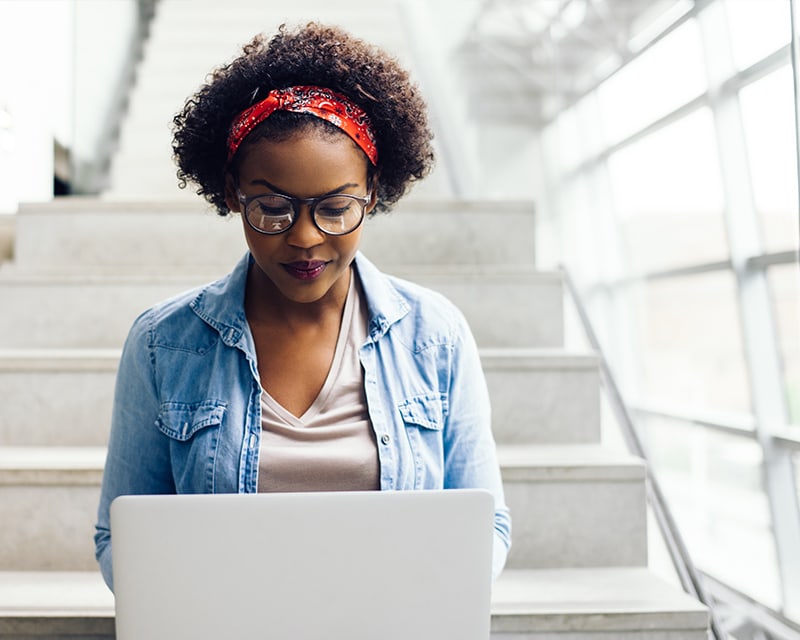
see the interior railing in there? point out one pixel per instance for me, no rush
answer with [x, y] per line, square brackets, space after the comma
[744, 617]
[688, 574]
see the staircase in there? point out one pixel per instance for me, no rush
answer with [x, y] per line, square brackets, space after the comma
[83, 269]
[189, 39]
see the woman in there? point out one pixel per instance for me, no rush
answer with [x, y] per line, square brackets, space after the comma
[306, 368]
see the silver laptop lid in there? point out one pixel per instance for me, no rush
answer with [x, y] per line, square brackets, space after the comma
[350, 565]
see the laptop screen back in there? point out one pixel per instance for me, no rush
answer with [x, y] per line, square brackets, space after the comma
[389, 565]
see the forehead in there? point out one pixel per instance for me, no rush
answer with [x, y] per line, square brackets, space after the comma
[305, 163]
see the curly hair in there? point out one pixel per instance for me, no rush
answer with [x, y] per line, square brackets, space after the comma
[318, 55]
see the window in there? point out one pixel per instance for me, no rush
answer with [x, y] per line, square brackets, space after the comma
[757, 29]
[668, 196]
[713, 484]
[768, 120]
[660, 80]
[784, 284]
[691, 344]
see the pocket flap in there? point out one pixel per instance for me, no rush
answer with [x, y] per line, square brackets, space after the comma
[426, 411]
[181, 421]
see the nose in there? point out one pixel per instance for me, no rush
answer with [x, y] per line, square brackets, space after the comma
[304, 233]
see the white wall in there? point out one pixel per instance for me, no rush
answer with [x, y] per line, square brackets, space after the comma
[489, 159]
[60, 63]
[35, 75]
[104, 34]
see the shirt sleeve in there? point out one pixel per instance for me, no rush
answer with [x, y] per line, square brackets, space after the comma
[137, 461]
[470, 450]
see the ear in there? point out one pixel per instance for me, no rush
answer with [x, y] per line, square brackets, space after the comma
[231, 197]
[373, 193]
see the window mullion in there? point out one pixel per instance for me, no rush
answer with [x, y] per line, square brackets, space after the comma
[758, 327]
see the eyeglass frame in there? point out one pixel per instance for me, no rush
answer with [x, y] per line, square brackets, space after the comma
[299, 202]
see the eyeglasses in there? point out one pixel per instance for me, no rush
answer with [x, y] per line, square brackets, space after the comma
[274, 213]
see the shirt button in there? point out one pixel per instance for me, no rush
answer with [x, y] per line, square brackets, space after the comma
[385, 439]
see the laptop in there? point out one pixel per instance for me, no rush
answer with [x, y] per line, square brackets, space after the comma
[304, 566]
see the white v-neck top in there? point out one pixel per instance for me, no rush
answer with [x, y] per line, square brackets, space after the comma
[332, 446]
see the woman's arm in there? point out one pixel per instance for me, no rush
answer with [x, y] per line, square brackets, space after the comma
[137, 461]
[469, 447]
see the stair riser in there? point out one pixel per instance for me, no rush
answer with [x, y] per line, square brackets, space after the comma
[72, 407]
[587, 523]
[48, 527]
[99, 315]
[589, 634]
[555, 524]
[147, 239]
[547, 406]
[56, 408]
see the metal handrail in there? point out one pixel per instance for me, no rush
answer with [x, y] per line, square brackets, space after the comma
[679, 554]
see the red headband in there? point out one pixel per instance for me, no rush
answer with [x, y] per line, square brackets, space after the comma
[323, 103]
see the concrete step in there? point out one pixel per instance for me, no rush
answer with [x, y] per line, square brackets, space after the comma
[72, 310]
[50, 605]
[56, 397]
[574, 506]
[543, 396]
[62, 397]
[569, 604]
[48, 498]
[605, 603]
[93, 233]
[571, 506]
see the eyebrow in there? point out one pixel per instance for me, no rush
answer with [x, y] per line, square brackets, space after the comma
[276, 190]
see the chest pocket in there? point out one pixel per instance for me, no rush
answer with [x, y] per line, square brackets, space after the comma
[193, 430]
[424, 417]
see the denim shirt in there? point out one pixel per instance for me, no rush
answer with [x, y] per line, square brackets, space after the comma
[187, 412]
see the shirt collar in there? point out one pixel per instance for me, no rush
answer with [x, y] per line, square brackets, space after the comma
[384, 303]
[221, 304]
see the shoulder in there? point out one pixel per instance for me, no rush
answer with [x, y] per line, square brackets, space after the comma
[171, 321]
[417, 310]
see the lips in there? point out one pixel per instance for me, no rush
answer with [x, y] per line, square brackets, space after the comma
[305, 269]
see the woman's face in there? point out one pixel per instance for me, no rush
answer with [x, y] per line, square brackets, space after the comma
[302, 264]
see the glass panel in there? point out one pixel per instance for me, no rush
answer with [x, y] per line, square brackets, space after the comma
[768, 118]
[569, 141]
[796, 458]
[668, 195]
[712, 483]
[691, 344]
[784, 284]
[579, 233]
[757, 29]
[663, 78]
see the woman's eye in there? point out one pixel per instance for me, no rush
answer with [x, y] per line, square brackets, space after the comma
[330, 212]
[274, 210]
[335, 207]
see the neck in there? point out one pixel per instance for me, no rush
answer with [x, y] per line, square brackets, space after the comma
[265, 304]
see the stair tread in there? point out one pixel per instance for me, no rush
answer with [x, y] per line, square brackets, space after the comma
[567, 462]
[599, 598]
[86, 358]
[34, 465]
[77, 205]
[557, 598]
[54, 592]
[47, 457]
[20, 360]
[577, 462]
[190, 274]
[509, 455]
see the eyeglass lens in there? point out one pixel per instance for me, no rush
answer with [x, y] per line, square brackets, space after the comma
[336, 215]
